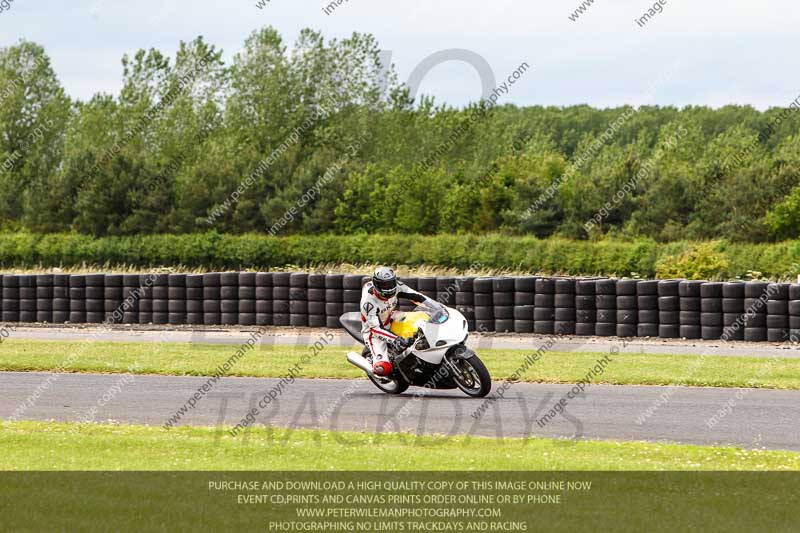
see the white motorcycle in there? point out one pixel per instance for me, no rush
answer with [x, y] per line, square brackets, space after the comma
[436, 357]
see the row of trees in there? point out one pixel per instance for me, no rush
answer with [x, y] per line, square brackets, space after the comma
[187, 133]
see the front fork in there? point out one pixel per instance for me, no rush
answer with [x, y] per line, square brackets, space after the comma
[458, 352]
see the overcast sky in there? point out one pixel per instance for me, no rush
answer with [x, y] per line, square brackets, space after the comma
[693, 52]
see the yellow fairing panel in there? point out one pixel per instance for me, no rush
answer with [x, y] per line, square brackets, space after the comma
[405, 324]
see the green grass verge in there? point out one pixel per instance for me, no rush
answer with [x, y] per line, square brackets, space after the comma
[59, 446]
[275, 360]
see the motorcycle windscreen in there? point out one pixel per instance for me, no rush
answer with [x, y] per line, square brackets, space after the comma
[435, 311]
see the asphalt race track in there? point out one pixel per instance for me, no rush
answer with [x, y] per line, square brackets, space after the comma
[760, 419]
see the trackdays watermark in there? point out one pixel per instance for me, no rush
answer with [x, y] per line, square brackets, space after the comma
[281, 420]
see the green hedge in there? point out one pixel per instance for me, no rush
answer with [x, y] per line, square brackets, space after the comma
[552, 256]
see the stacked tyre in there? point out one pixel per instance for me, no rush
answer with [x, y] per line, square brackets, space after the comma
[161, 299]
[27, 298]
[427, 286]
[755, 311]
[524, 295]
[794, 313]
[446, 288]
[732, 311]
[669, 306]
[112, 293]
[544, 310]
[465, 300]
[263, 298]
[351, 295]
[503, 300]
[44, 298]
[194, 299]
[146, 282]
[246, 295]
[334, 303]
[176, 295]
[777, 312]
[77, 299]
[95, 302]
[131, 295]
[689, 318]
[229, 298]
[483, 297]
[60, 298]
[647, 308]
[627, 308]
[564, 304]
[711, 315]
[10, 303]
[298, 299]
[606, 304]
[280, 295]
[212, 299]
[585, 310]
[316, 300]
[404, 304]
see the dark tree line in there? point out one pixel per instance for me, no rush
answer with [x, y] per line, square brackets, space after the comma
[184, 134]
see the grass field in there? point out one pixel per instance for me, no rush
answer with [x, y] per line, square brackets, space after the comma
[59, 446]
[274, 360]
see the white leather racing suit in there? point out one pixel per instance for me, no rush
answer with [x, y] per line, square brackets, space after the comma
[376, 317]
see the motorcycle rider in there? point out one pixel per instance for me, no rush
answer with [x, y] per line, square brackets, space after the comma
[378, 303]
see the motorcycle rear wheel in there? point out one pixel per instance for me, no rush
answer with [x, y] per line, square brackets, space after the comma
[389, 386]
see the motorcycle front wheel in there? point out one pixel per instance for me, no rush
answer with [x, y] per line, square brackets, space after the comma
[471, 376]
